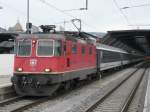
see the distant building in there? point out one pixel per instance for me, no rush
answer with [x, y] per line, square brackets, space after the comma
[17, 28]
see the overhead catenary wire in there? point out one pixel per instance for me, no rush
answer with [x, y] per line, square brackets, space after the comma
[123, 14]
[136, 6]
[80, 9]
[65, 13]
[133, 6]
[132, 13]
[24, 13]
[18, 11]
[59, 10]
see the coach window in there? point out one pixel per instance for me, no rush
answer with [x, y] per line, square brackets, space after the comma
[74, 49]
[83, 50]
[58, 50]
[91, 50]
[101, 54]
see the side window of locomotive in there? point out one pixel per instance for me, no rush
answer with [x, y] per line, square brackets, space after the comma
[45, 48]
[74, 49]
[83, 50]
[90, 50]
[65, 48]
[58, 50]
[24, 48]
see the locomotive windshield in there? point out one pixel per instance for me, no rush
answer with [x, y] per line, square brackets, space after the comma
[45, 48]
[24, 47]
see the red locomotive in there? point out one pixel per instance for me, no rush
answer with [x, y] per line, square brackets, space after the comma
[46, 61]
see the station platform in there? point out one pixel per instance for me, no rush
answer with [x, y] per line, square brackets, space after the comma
[147, 96]
[5, 80]
[6, 90]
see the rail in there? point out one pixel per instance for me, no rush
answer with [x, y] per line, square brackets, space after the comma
[123, 109]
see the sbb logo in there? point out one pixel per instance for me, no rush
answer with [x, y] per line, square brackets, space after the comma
[33, 62]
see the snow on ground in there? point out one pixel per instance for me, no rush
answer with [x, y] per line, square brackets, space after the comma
[6, 64]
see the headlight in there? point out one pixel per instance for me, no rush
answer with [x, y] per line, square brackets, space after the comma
[33, 41]
[47, 70]
[19, 69]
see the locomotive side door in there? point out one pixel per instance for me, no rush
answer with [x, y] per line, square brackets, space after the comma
[67, 54]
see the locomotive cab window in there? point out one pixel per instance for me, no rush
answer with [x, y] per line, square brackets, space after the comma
[45, 48]
[24, 48]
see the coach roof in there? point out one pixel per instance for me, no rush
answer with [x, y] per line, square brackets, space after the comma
[110, 48]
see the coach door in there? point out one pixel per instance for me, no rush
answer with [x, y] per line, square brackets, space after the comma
[98, 56]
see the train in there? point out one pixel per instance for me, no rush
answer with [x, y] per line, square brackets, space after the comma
[49, 60]
[109, 57]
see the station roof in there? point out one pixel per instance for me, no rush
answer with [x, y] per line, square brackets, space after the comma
[7, 42]
[130, 40]
[7, 36]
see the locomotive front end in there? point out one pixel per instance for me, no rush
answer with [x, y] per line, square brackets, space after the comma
[35, 63]
[45, 62]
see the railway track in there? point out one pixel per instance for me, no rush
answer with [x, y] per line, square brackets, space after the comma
[120, 97]
[11, 100]
[21, 103]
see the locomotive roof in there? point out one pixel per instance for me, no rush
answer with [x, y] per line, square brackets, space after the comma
[40, 35]
[58, 36]
[110, 48]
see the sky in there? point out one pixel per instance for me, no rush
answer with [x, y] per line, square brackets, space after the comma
[101, 16]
